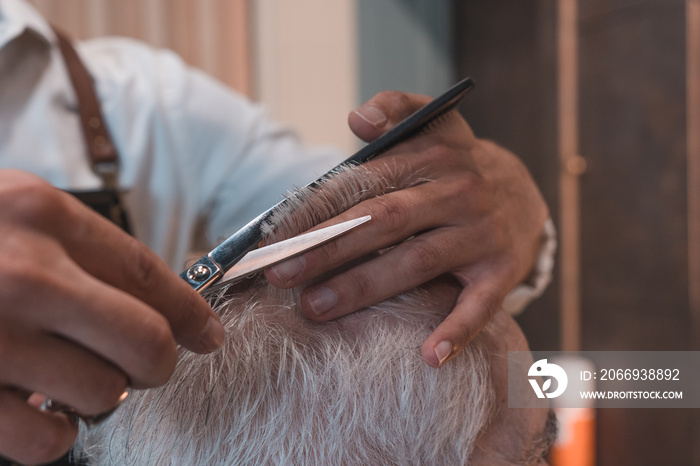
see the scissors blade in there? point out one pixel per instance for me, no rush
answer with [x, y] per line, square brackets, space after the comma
[259, 259]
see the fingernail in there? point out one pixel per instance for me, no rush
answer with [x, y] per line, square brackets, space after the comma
[443, 350]
[372, 115]
[322, 300]
[287, 270]
[213, 334]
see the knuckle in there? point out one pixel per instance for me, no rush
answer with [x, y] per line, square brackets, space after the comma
[471, 191]
[389, 213]
[398, 105]
[106, 391]
[440, 153]
[20, 274]
[158, 354]
[142, 270]
[424, 260]
[14, 274]
[470, 185]
[391, 99]
[330, 252]
[362, 285]
[487, 302]
[29, 200]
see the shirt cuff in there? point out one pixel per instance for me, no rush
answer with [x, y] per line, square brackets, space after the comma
[541, 275]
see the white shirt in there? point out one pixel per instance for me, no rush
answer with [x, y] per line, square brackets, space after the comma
[197, 159]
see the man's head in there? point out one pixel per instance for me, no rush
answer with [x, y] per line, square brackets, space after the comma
[286, 390]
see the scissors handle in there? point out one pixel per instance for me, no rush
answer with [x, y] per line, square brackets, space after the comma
[210, 268]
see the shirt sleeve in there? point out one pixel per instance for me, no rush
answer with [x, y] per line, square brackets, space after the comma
[523, 294]
[246, 163]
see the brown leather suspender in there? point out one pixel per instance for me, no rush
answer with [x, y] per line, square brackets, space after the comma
[101, 149]
[102, 152]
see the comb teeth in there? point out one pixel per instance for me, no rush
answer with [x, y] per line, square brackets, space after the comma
[431, 125]
[310, 206]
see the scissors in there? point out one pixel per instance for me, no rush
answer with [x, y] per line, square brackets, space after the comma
[213, 268]
[236, 256]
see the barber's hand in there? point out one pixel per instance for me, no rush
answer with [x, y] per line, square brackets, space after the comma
[479, 219]
[85, 311]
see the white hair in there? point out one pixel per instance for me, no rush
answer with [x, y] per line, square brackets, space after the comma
[286, 390]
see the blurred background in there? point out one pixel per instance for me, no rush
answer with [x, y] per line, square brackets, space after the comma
[600, 98]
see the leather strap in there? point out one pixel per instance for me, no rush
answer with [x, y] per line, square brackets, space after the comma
[102, 152]
[101, 149]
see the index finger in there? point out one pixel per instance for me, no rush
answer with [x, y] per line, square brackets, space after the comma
[114, 257]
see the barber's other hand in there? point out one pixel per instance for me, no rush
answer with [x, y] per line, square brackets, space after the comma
[480, 218]
[85, 311]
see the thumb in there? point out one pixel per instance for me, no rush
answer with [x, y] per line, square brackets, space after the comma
[382, 112]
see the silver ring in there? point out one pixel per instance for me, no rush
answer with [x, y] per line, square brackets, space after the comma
[95, 419]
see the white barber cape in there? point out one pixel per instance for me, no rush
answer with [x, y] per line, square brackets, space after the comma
[198, 161]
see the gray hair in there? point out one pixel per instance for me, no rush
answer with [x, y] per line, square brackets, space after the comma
[286, 390]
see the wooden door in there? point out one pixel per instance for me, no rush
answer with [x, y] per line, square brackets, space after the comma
[636, 132]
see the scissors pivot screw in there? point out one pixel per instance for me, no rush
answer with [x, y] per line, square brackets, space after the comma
[198, 272]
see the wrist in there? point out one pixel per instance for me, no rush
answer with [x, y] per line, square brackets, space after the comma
[540, 276]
